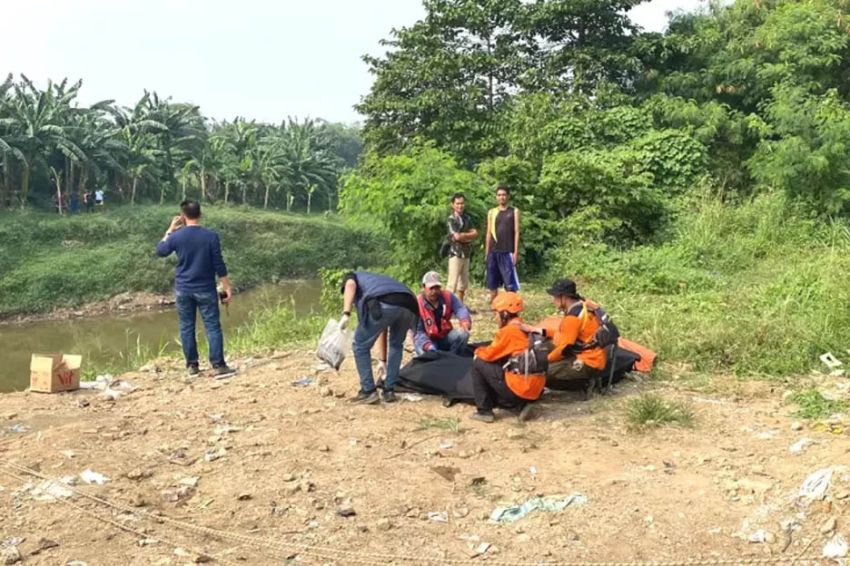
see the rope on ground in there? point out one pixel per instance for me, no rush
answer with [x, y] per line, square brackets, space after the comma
[367, 558]
[127, 528]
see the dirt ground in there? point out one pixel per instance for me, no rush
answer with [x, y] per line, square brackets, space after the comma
[262, 457]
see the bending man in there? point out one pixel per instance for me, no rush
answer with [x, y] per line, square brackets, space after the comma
[436, 307]
[383, 305]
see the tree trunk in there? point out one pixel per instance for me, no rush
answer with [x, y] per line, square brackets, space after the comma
[226, 191]
[25, 184]
[162, 193]
[288, 201]
[203, 178]
[133, 190]
[244, 193]
[183, 183]
[309, 198]
[5, 181]
[57, 176]
[266, 198]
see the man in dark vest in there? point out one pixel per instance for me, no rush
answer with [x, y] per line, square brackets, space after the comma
[386, 308]
[501, 246]
[436, 307]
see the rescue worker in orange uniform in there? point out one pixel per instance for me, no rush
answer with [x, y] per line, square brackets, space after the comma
[574, 356]
[492, 385]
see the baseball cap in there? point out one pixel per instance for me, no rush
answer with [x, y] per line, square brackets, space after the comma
[432, 279]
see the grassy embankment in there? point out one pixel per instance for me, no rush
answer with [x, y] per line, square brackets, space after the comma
[50, 262]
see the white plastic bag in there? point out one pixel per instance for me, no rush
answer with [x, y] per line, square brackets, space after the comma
[334, 344]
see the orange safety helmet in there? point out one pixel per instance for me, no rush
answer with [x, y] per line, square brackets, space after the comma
[508, 302]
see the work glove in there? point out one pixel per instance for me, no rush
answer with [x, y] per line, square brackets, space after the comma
[343, 322]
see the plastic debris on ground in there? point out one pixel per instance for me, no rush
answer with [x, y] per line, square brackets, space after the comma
[19, 428]
[836, 548]
[816, 485]
[334, 344]
[109, 386]
[830, 361]
[92, 477]
[411, 397]
[304, 381]
[800, 445]
[759, 536]
[438, 516]
[517, 512]
[50, 490]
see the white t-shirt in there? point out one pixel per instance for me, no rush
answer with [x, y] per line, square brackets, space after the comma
[98, 196]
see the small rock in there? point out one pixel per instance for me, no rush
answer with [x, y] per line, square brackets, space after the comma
[45, 544]
[324, 448]
[383, 524]
[147, 541]
[11, 555]
[291, 488]
[828, 526]
[182, 552]
[138, 474]
[461, 512]
[176, 494]
[202, 559]
[191, 481]
[346, 512]
[796, 425]
[288, 477]
[326, 392]
[842, 495]
[244, 497]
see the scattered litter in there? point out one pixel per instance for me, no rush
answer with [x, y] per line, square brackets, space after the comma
[830, 361]
[448, 473]
[766, 435]
[176, 494]
[480, 549]
[533, 471]
[11, 555]
[334, 344]
[438, 516]
[517, 512]
[760, 536]
[50, 490]
[90, 477]
[76, 563]
[68, 453]
[224, 429]
[191, 481]
[836, 548]
[14, 541]
[446, 445]
[112, 388]
[215, 417]
[304, 381]
[815, 486]
[213, 455]
[800, 445]
[322, 367]
[19, 428]
[411, 397]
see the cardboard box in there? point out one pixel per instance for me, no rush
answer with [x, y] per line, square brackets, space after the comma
[52, 373]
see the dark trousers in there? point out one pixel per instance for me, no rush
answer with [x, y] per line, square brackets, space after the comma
[562, 375]
[490, 389]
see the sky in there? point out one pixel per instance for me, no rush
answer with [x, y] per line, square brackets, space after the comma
[254, 58]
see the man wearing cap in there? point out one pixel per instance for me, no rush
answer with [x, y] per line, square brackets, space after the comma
[434, 331]
[575, 355]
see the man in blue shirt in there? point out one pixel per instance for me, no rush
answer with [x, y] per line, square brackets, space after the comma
[199, 260]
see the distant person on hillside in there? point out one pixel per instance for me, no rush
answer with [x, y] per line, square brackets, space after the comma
[98, 197]
[501, 247]
[436, 309]
[386, 309]
[88, 199]
[75, 203]
[199, 260]
[461, 233]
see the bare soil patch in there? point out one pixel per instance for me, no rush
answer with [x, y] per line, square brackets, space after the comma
[261, 457]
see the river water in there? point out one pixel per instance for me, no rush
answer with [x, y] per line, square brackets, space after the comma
[104, 340]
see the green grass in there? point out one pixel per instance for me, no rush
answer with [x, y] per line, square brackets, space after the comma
[756, 289]
[50, 261]
[652, 410]
[815, 406]
[277, 327]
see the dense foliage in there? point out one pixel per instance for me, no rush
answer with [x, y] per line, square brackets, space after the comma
[604, 130]
[51, 149]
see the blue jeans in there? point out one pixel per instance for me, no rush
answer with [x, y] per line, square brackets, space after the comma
[207, 303]
[398, 320]
[455, 342]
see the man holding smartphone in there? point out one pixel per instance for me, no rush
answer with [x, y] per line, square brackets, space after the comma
[199, 261]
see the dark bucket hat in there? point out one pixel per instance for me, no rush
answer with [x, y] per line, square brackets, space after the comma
[564, 288]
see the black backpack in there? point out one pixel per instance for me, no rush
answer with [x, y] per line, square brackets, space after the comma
[606, 335]
[532, 360]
